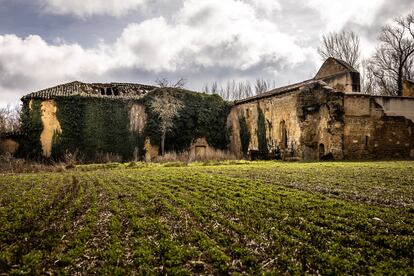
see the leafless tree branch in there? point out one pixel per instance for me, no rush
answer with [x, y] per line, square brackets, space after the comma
[344, 46]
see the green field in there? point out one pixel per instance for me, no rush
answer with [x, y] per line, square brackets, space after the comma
[252, 217]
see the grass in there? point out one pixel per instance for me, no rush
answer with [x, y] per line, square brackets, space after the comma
[210, 218]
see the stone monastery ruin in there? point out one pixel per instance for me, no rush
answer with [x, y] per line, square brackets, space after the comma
[323, 118]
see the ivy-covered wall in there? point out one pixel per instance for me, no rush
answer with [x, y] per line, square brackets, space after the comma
[31, 125]
[244, 136]
[261, 134]
[202, 115]
[93, 126]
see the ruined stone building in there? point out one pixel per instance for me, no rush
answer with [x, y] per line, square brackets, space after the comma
[326, 117]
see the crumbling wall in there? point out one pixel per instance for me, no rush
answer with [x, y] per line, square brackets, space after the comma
[396, 106]
[276, 109]
[321, 116]
[376, 128]
[298, 124]
[341, 82]
[51, 126]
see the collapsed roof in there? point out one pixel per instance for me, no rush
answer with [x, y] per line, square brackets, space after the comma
[76, 88]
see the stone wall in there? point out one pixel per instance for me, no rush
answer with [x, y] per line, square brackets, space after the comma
[298, 124]
[342, 82]
[408, 88]
[329, 68]
[339, 75]
[277, 109]
[321, 123]
[378, 127]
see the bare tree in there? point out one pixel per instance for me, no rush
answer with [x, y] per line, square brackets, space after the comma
[393, 61]
[343, 45]
[367, 78]
[261, 86]
[214, 88]
[244, 90]
[180, 83]
[164, 82]
[206, 88]
[233, 91]
[167, 108]
[9, 118]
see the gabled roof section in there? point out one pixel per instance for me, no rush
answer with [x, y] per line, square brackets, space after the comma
[77, 88]
[284, 90]
[333, 66]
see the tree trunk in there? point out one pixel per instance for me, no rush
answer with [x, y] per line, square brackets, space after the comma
[162, 143]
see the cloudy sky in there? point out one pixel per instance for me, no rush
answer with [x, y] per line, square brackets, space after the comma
[48, 42]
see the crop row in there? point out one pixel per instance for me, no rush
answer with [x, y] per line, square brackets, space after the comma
[202, 219]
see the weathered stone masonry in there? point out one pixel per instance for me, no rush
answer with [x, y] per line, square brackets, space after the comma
[299, 121]
[322, 118]
[312, 120]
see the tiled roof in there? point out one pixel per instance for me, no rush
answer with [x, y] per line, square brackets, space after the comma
[285, 89]
[76, 88]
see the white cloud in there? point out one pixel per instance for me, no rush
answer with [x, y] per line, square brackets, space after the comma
[337, 13]
[223, 33]
[265, 6]
[84, 8]
[31, 62]
[214, 34]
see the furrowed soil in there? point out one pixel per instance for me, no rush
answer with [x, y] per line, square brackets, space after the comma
[213, 218]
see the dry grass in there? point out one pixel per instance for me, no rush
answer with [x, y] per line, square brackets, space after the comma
[10, 165]
[189, 157]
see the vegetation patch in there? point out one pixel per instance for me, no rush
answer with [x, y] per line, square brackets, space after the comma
[261, 134]
[31, 127]
[244, 136]
[95, 126]
[232, 217]
[201, 115]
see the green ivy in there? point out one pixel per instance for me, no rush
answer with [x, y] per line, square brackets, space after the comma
[203, 115]
[244, 135]
[261, 134]
[93, 126]
[32, 126]
[98, 125]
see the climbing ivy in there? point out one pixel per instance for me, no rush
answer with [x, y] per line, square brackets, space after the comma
[202, 115]
[31, 126]
[244, 135]
[261, 134]
[96, 125]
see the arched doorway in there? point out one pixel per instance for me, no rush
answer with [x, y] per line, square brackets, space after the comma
[321, 151]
